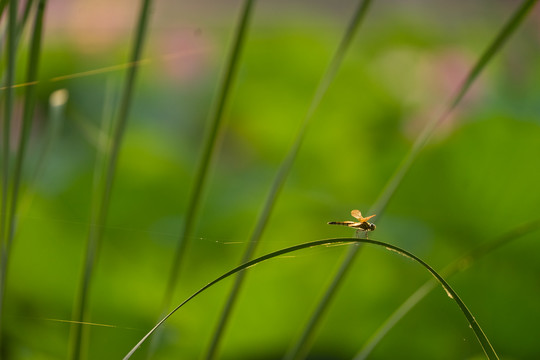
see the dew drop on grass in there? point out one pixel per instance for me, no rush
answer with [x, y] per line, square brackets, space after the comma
[392, 249]
[448, 293]
[399, 252]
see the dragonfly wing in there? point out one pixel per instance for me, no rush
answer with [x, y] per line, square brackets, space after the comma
[357, 214]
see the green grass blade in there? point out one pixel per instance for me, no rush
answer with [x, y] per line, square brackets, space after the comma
[8, 113]
[504, 34]
[482, 339]
[96, 228]
[459, 265]
[395, 180]
[22, 22]
[201, 176]
[213, 130]
[284, 170]
[3, 4]
[25, 16]
[28, 113]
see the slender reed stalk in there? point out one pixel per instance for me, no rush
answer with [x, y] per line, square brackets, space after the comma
[461, 264]
[482, 338]
[3, 4]
[8, 113]
[284, 170]
[201, 177]
[97, 225]
[24, 17]
[20, 26]
[301, 347]
[209, 148]
[28, 113]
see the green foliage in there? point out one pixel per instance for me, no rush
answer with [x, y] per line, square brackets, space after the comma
[475, 179]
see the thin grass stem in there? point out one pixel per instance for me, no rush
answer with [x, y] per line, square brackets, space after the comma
[3, 4]
[209, 147]
[482, 338]
[461, 264]
[302, 346]
[28, 113]
[201, 176]
[9, 99]
[284, 170]
[97, 225]
[24, 17]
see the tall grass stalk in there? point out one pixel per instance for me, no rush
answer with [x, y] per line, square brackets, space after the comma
[482, 338]
[284, 170]
[22, 22]
[24, 17]
[209, 147]
[8, 113]
[301, 347]
[28, 114]
[461, 264]
[97, 225]
[3, 4]
[212, 134]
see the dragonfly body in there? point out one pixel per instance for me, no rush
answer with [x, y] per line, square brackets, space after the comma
[362, 224]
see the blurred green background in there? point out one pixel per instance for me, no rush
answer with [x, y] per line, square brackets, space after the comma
[477, 178]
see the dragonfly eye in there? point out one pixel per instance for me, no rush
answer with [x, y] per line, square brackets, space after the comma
[372, 227]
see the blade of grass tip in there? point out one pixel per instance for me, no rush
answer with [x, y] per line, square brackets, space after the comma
[96, 229]
[482, 339]
[213, 130]
[461, 264]
[8, 113]
[302, 346]
[284, 170]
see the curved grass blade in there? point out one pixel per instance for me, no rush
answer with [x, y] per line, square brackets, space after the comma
[301, 348]
[213, 131]
[482, 339]
[459, 265]
[9, 99]
[98, 223]
[284, 170]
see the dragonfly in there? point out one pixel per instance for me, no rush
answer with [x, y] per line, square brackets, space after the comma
[361, 225]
